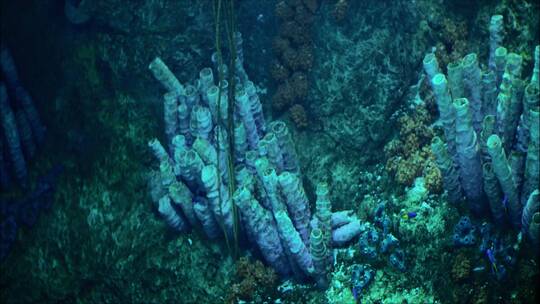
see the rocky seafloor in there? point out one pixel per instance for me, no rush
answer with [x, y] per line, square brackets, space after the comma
[102, 242]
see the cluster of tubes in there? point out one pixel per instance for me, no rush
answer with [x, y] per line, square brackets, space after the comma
[21, 128]
[490, 118]
[191, 188]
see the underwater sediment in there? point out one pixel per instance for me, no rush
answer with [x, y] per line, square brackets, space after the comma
[333, 152]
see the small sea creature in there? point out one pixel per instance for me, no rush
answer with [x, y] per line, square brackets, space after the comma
[505, 202]
[409, 215]
[479, 269]
[491, 256]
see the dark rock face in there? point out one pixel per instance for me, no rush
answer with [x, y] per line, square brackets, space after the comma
[131, 33]
[363, 66]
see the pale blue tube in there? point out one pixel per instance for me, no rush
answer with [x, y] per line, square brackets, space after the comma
[11, 135]
[502, 170]
[262, 226]
[202, 210]
[448, 170]
[496, 28]
[455, 79]
[162, 73]
[297, 203]
[468, 152]
[38, 129]
[532, 162]
[25, 132]
[201, 122]
[489, 91]
[472, 77]
[530, 221]
[290, 161]
[244, 109]
[171, 217]
[446, 111]
[431, 66]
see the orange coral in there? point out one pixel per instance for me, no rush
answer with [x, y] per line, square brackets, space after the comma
[299, 116]
[410, 144]
[393, 147]
[409, 156]
[408, 169]
[432, 177]
[418, 124]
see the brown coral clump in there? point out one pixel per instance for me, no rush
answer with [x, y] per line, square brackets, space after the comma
[253, 278]
[294, 3]
[299, 116]
[340, 10]
[312, 5]
[299, 85]
[290, 58]
[284, 11]
[293, 48]
[305, 57]
[290, 29]
[304, 16]
[278, 71]
[283, 97]
[280, 44]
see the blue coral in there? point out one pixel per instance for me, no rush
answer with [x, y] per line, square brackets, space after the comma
[368, 242]
[361, 277]
[397, 259]
[26, 211]
[377, 240]
[464, 232]
[487, 237]
[389, 242]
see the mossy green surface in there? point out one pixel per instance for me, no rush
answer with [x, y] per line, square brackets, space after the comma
[101, 243]
[340, 287]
